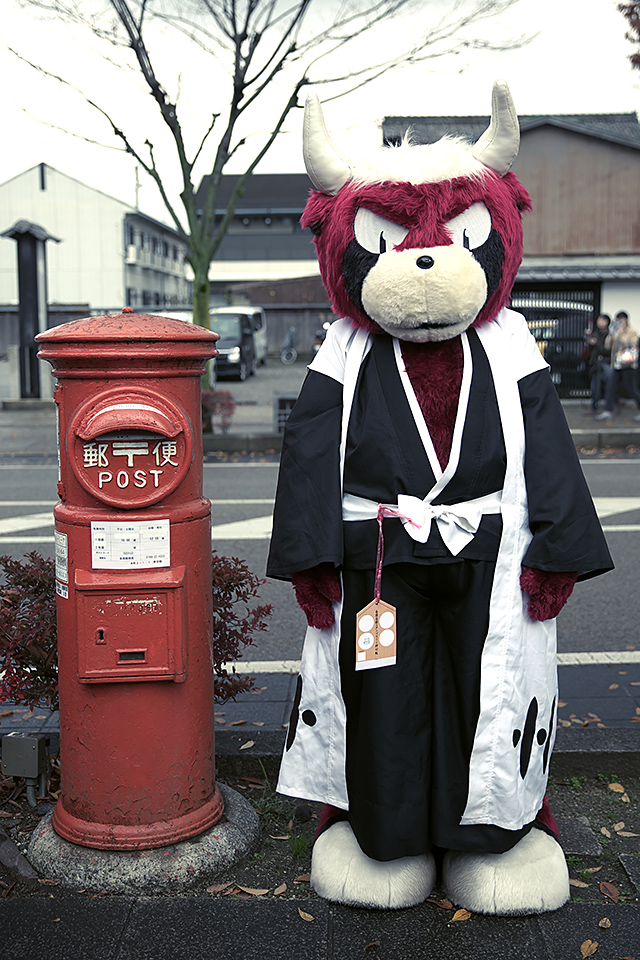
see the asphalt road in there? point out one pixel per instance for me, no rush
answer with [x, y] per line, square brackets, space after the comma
[602, 615]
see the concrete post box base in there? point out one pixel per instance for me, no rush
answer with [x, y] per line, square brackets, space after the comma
[163, 870]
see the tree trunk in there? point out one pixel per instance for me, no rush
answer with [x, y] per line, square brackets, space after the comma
[201, 295]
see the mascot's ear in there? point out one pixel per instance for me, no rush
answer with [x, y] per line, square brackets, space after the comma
[498, 146]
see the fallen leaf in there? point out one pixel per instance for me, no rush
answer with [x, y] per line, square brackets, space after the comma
[613, 686]
[258, 723]
[618, 826]
[616, 787]
[605, 832]
[237, 723]
[593, 869]
[5, 813]
[219, 887]
[254, 782]
[249, 743]
[635, 683]
[605, 923]
[371, 947]
[442, 904]
[279, 838]
[49, 883]
[230, 889]
[625, 798]
[577, 883]
[56, 920]
[253, 891]
[280, 890]
[305, 878]
[588, 948]
[562, 703]
[460, 915]
[305, 916]
[625, 833]
[610, 891]
[594, 716]
[6, 713]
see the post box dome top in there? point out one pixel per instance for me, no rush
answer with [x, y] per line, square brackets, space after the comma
[128, 326]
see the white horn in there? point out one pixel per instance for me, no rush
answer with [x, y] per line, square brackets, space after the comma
[327, 167]
[498, 146]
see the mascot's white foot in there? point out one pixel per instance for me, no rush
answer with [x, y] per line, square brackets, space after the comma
[340, 871]
[532, 877]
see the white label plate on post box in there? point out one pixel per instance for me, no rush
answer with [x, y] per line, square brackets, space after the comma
[130, 545]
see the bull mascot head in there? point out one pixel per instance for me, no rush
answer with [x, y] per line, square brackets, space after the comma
[419, 241]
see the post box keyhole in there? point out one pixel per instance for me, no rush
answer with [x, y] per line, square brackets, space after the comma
[100, 635]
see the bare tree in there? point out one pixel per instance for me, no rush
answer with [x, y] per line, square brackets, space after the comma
[269, 49]
[631, 13]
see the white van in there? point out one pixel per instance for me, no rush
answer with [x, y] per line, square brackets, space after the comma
[243, 339]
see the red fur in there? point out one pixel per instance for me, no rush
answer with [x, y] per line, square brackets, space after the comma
[316, 591]
[548, 591]
[435, 372]
[425, 209]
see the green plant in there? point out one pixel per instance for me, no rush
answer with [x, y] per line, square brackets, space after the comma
[28, 629]
[299, 844]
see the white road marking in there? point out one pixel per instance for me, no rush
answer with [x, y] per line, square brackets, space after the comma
[598, 657]
[259, 528]
[33, 522]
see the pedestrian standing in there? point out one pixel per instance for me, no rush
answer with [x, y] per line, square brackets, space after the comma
[623, 344]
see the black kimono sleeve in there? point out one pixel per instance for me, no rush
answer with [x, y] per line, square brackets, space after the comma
[307, 519]
[567, 536]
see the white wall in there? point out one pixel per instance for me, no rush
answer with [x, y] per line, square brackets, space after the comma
[87, 266]
[622, 295]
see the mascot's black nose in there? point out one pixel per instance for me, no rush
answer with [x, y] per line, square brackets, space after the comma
[425, 263]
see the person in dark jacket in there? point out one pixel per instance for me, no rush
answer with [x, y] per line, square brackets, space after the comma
[599, 367]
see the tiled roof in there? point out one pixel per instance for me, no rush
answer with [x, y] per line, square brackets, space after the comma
[616, 127]
[265, 193]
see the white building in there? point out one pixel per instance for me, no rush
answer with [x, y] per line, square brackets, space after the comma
[109, 255]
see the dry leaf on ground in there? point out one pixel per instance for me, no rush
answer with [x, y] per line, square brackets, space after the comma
[610, 891]
[604, 832]
[280, 890]
[254, 891]
[588, 948]
[616, 787]
[249, 743]
[460, 915]
[305, 916]
[305, 878]
[219, 887]
[605, 923]
[577, 883]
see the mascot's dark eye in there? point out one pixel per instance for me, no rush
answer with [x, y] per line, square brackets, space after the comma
[376, 234]
[471, 228]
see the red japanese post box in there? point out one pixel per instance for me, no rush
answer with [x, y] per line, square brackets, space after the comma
[133, 578]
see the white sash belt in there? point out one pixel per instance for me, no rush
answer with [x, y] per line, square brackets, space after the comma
[457, 522]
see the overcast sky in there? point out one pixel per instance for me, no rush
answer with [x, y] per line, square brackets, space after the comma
[576, 64]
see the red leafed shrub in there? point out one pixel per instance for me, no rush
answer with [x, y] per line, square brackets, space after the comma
[234, 622]
[219, 403]
[28, 634]
[28, 637]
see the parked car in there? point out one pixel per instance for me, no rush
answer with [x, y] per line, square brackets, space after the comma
[243, 340]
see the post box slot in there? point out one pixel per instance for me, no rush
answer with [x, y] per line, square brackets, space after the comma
[117, 611]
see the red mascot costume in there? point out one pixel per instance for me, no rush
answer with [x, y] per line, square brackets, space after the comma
[433, 517]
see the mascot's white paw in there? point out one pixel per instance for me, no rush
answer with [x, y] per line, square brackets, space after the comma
[532, 877]
[340, 871]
